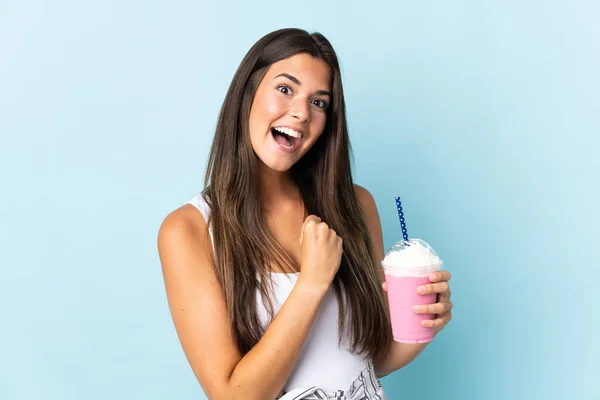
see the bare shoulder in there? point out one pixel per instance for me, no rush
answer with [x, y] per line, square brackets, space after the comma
[365, 200]
[369, 209]
[181, 226]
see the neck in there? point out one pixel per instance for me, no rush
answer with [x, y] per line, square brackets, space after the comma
[276, 188]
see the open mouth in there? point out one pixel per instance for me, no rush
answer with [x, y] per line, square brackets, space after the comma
[284, 140]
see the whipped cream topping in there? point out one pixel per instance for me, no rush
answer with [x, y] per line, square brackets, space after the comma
[414, 260]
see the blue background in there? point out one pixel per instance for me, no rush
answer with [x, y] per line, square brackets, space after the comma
[484, 116]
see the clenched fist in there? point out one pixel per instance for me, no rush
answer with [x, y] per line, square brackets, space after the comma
[321, 252]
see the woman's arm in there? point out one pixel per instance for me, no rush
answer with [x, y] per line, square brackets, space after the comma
[200, 316]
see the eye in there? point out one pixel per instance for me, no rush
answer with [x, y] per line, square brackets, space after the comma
[285, 89]
[320, 103]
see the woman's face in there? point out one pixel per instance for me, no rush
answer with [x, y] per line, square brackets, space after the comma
[289, 110]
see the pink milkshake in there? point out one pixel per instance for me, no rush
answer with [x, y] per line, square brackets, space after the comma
[408, 266]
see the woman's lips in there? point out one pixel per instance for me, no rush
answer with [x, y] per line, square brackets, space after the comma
[295, 144]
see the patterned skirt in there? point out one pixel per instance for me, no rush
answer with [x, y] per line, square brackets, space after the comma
[365, 386]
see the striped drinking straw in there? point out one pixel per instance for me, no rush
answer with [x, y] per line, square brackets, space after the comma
[401, 216]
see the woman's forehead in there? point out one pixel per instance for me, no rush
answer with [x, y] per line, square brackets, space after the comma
[306, 69]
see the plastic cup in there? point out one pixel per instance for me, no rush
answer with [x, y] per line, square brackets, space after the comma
[404, 273]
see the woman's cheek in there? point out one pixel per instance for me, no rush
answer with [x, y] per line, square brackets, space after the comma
[318, 124]
[275, 106]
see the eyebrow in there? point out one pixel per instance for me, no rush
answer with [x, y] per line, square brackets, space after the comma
[297, 82]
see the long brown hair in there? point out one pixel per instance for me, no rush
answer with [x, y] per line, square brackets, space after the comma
[243, 243]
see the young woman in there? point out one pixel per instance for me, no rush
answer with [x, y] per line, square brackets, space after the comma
[274, 286]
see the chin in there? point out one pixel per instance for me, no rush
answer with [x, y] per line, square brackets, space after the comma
[277, 165]
[280, 167]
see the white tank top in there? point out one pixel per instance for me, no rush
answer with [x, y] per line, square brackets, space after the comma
[322, 361]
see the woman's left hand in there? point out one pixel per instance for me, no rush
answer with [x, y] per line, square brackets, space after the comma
[442, 310]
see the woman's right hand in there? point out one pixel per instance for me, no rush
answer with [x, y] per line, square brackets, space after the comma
[321, 252]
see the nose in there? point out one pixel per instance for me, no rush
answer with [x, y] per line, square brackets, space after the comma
[300, 111]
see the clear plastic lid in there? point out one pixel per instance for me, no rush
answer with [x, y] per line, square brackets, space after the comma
[413, 258]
